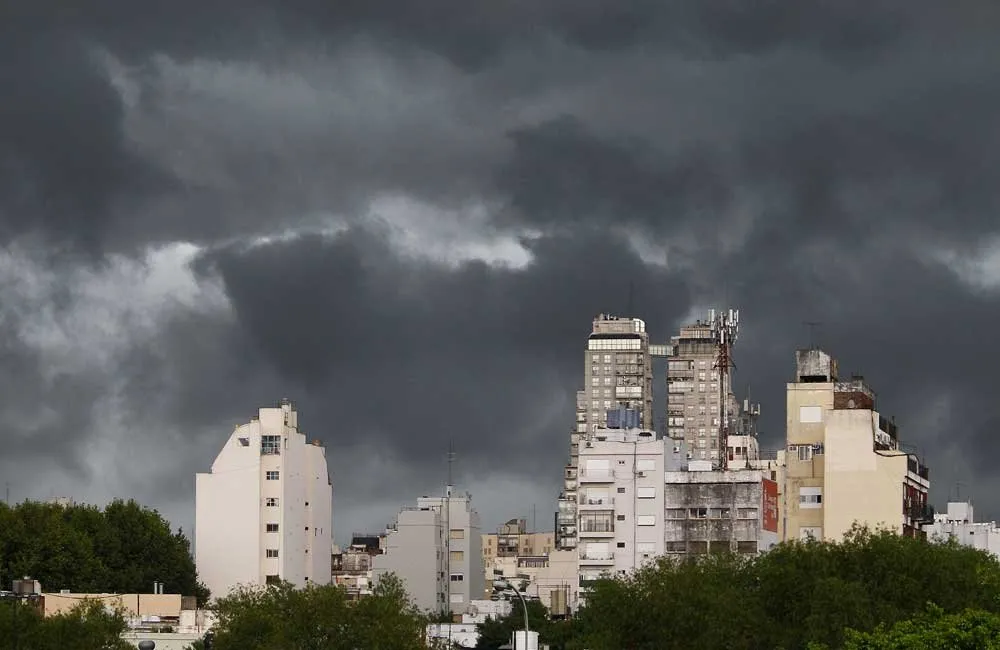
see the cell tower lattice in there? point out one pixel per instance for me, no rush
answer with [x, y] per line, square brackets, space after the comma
[725, 331]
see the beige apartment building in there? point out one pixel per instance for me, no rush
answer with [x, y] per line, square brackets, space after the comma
[512, 551]
[843, 459]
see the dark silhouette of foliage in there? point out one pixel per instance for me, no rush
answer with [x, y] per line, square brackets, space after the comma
[124, 548]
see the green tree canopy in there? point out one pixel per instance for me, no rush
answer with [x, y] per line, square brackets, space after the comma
[933, 630]
[280, 617]
[124, 548]
[88, 626]
[799, 594]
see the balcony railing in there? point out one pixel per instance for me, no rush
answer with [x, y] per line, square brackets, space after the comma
[596, 527]
[597, 474]
[597, 557]
[596, 501]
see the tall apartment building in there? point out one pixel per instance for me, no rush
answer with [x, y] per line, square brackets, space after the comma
[621, 502]
[843, 458]
[699, 393]
[435, 549]
[618, 392]
[264, 511]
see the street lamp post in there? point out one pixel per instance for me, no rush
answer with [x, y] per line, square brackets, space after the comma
[525, 606]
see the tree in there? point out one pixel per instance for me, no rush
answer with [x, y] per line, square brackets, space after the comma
[798, 595]
[88, 626]
[933, 630]
[124, 548]
[497, 632]
[318, 618]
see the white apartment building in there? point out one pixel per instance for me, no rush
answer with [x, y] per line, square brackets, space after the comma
[621, 502]
[959, 524]
[436, 550]
[264, 511]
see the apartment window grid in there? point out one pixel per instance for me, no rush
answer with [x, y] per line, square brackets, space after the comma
[271, 502]
[272, 475]
[272, 553]
[272, 528]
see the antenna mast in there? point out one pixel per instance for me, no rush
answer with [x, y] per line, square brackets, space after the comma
[447, 536]
[725, 330]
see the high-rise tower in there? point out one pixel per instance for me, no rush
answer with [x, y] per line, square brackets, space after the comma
[701, 407]
[617, 392]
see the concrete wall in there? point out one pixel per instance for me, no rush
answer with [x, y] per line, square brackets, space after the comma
[710, 510]
[804, 402]
[163, 641]
[861, 486]
[415, 553]
[164, 605]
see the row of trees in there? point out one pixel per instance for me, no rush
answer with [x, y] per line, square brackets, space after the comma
[123, 548]
[873, 591]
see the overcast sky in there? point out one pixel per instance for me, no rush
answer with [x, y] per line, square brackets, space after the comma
[404, 215]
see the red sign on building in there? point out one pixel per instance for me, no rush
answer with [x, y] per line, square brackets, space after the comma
[770, 506]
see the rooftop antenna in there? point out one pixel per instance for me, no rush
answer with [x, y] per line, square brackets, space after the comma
[812, 325]
[725, 330]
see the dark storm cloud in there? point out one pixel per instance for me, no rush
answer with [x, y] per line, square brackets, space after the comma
[802, 161]
[412, 355]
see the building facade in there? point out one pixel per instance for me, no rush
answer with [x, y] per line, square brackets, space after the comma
[351, 568]
[958, 523]
[699, 393]
[843, 459]
[617, 392]
[620, 520]
[436, 549]
[264, 511]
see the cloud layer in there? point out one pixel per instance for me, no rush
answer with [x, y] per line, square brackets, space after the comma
[403, 217]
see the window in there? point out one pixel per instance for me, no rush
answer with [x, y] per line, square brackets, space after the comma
[457, 556]
[458, 533]
[645, 520]
[805, 452]
[810, 532]
[620, 545]
[621, 490]
[620, 517]
[698, 513]
[271, 502]
[272, 579]
[270, 445]
[271, 475]
[810, 414]
[646, 465]
[272, 528]
[244, 442]
[810, 497]
[747, 513]
[272, 553]
[646, 547]
[457, 577]
[676, 513]
[676, 547]
[646, 492]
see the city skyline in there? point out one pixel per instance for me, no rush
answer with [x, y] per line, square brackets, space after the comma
[408, 230]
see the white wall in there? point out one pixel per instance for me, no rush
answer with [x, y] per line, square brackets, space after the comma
[231, 511]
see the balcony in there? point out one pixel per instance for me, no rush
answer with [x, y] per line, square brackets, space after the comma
[598, 503]
[597, 476]
[600, 559]
[920, 513]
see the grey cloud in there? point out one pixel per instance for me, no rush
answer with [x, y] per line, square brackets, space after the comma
[801, 162]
